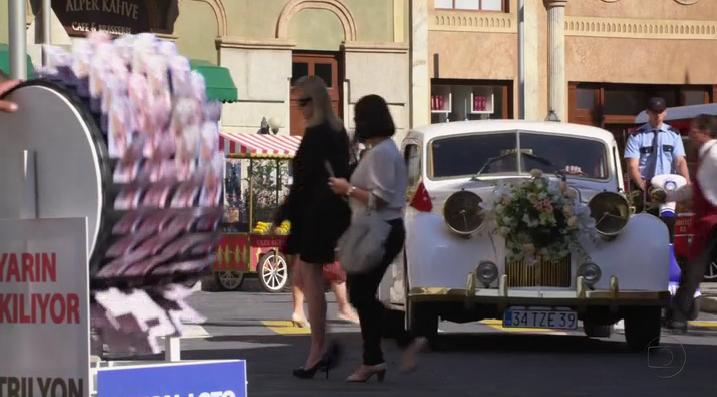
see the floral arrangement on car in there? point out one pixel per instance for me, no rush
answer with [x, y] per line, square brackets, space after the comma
[539, 218]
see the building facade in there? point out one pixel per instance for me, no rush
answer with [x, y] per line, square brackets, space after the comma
[358, 47]
[590, 61]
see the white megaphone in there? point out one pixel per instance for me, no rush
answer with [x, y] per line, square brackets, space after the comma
[662, 185]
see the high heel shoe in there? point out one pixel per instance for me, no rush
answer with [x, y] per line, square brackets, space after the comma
[350, 317]
[365, 372]
[409, 361]
[299, 321]
[308, 373]
[327, 362]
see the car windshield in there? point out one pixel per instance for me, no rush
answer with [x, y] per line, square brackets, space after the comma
[464, 155]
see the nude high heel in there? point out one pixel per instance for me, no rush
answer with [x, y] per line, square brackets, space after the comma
[299, 321]
[365, 372]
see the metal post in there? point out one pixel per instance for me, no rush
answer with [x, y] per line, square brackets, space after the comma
[17, 35]
[521, 59]
[46, 10]
[29, 194]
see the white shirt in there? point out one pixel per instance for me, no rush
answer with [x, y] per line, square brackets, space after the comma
[706, 176]
[382, 172]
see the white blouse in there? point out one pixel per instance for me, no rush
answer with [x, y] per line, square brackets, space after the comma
[382, 172]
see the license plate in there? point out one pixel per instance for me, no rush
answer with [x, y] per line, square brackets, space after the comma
[519, 317]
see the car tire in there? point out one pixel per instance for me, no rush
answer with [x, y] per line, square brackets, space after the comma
[423, 321]
[593, 330]
[642, 327]
[229, 280]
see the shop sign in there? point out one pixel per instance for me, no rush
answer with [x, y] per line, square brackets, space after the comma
[44, 331]
[113, 16]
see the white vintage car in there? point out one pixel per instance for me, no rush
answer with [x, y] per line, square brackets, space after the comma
[455, 265]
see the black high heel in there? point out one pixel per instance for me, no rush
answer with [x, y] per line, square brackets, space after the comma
[328, 361]
[308, 373]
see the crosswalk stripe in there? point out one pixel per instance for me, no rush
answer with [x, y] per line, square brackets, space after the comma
[285, 328]
[703, 324]
[194, 331]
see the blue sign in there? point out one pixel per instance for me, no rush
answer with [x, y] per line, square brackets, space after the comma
[197, 379]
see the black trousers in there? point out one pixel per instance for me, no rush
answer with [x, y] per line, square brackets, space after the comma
[362, 293]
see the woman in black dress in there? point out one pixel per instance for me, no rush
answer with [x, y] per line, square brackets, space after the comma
[318, 217]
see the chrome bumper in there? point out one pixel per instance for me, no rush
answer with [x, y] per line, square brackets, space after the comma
[580, 296]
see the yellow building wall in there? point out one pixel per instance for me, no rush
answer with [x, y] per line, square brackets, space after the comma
[620, 60]
[257, 19]
[196, 29]
[3, 22]
[316, 30]
[644, 9]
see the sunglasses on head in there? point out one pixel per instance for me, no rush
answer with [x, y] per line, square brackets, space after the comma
[304, 101]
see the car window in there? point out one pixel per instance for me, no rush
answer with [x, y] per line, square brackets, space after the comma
[561, 151]
[464, 155]
[512, 153]
[413, 164]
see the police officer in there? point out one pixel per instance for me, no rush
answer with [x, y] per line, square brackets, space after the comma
[655, 149]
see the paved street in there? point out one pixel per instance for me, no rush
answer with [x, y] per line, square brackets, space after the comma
[475, 359]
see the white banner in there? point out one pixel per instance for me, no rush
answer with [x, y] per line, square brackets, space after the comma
[44, 330]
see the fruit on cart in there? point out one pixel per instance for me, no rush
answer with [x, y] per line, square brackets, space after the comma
[262, 228]
[284, 228]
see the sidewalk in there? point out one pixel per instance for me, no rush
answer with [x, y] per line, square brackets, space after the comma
[709, 297]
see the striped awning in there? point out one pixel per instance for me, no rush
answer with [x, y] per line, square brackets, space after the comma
[258, 145]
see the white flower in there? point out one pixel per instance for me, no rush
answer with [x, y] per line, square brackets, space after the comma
[536, 173]
[530, 222]
[503, 230]
[507, 220]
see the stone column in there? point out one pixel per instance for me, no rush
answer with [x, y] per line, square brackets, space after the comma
[420, 82]
[532, 62]
[557, 87]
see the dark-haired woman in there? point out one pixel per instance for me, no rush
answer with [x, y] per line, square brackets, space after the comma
[378, 184]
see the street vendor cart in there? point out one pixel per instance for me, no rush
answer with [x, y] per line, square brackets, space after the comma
[257, 181]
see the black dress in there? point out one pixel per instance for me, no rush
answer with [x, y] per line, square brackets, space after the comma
[318, 216]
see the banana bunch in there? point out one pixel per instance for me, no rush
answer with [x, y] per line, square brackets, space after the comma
[262, 228]
[284, 228]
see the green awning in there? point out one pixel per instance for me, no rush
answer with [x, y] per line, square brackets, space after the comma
[5, 61]
[220, 86]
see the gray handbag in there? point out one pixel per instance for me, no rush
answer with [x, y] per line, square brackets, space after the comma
[362, 246]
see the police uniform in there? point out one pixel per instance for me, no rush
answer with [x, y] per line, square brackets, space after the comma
[658, 154]
[657, 150]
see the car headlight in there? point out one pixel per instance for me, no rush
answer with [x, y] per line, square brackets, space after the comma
[462, 212]
[591, 273]
[487, 272]
[611, 212]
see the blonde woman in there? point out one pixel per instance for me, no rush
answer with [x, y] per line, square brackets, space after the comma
[318, 217]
